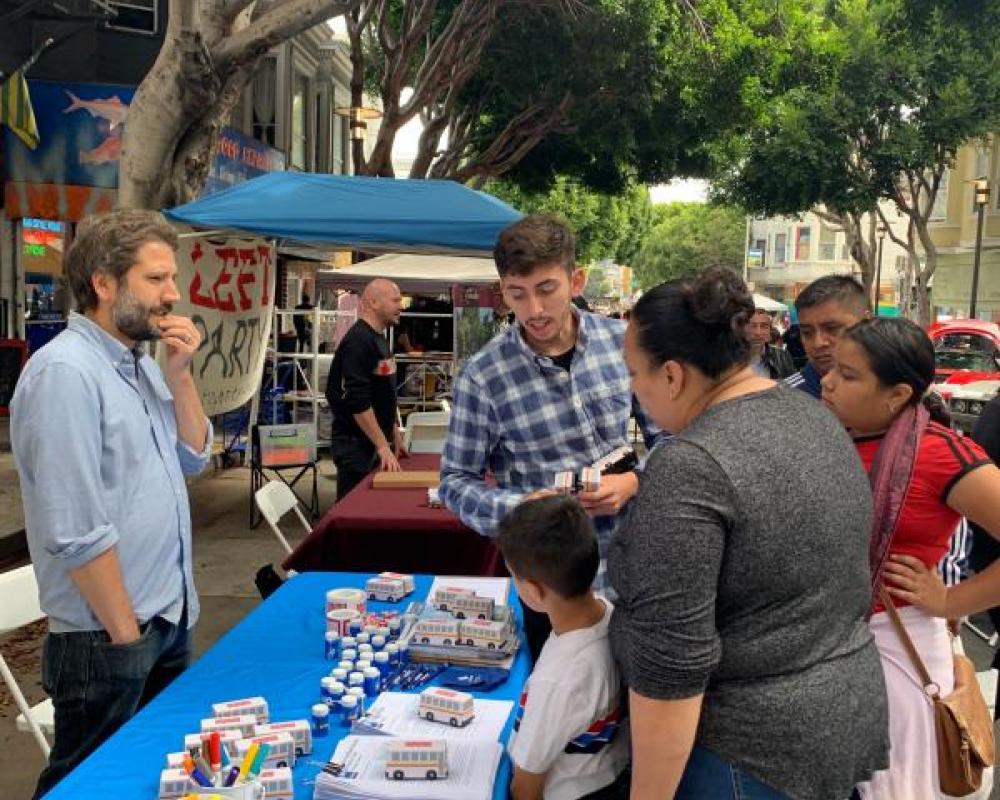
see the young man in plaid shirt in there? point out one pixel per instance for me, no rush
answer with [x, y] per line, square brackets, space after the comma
[550, 394]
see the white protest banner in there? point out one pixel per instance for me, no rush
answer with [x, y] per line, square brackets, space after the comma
[227, 289]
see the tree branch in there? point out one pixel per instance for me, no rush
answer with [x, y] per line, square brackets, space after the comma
[276, 25]
[517, 139]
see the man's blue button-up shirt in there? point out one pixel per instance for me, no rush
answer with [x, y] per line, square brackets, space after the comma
[95, 442]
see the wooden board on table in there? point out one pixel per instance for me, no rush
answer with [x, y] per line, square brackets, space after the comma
[415, 479]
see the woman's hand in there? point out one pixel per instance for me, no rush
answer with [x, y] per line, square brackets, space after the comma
[909, 579]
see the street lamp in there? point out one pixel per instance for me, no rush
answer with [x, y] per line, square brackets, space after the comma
[982, 199]
[882, 230]
[358, 116]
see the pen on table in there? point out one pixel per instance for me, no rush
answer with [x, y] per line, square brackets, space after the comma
[248, 758]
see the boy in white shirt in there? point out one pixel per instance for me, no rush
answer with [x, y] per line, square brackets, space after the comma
[570, 737]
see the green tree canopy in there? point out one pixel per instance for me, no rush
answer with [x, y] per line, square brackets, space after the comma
[890, 91]
[688, 238]
[606, 226]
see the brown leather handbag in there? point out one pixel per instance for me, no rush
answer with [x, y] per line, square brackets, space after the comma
[962, 720]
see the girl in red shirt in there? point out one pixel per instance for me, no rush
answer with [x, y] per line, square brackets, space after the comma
[883, 369]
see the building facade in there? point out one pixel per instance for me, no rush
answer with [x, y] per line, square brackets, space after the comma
[953, 231]
[287, 119]
[784, 254]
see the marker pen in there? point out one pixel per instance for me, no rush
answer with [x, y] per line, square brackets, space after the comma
[196, 774]
[258, 761]
[231, 777]
[215, 751]
[204, 768]
[248, 758]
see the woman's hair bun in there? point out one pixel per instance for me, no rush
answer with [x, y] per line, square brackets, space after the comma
[720, 297]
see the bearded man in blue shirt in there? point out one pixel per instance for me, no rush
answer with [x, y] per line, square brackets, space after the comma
[102, 440]
[550, 394]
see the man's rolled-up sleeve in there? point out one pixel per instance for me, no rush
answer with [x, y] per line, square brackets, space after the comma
[192, 461]
[56, 438]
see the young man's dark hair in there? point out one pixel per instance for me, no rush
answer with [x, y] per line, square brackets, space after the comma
[842, 288]
[551, 541]
[536, 239]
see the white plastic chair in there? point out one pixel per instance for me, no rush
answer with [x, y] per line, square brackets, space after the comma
[19, 607]
[426, 431]
[275, 499]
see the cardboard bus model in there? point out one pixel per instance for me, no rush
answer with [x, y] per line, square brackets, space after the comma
[298, 729]
[436, 630]
[408, 583]
[385, 589]
[277, 782]
[280, 754]
[420, 759]
[485, 633]
[462, 602]
[446, 706]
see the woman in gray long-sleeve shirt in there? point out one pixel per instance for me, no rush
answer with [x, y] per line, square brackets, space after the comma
[742, 571]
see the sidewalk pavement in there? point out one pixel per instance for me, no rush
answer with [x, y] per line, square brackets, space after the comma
[227, 555]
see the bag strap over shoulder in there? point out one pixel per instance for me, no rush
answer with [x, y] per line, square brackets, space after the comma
[908, 645]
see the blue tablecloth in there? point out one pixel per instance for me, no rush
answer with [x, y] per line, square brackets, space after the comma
[276, 652]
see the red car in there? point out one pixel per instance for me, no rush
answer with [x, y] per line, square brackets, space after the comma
[966, 350]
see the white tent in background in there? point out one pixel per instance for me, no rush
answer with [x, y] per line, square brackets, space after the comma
[414, 273]
[765, 303]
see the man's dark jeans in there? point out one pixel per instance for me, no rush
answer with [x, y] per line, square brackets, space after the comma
[96, 686]
[355, 459]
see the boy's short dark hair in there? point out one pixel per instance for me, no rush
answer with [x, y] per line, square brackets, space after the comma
[535, 240]
[552, 541]
[842, 288]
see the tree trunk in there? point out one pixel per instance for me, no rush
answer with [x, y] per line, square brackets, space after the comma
[180, 84]
[208, 56]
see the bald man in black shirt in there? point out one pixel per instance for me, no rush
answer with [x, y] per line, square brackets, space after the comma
[361, 390]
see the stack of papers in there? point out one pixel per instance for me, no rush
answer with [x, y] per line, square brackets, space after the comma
[357, 770]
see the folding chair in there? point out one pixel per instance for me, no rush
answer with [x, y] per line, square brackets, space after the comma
[426, 431]
[275, 499]
[19, 607]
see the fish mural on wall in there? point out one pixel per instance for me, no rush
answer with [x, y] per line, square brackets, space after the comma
[110, 113]
[80, 128]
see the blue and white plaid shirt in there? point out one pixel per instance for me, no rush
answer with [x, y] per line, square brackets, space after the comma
[523, 418]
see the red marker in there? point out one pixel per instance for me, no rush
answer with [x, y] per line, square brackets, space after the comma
[215, 751]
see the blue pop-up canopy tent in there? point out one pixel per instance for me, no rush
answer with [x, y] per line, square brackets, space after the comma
[376, 215]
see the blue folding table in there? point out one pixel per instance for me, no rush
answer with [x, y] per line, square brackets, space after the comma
[275, 652]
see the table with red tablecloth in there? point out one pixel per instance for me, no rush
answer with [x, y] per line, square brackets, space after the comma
[371, 530]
